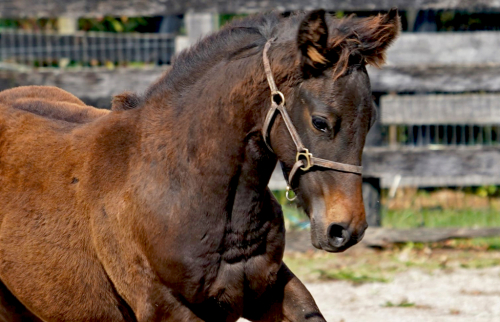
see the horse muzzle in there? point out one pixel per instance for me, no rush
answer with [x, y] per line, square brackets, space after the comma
[336, 235]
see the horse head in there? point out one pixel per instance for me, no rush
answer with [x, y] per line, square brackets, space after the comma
[331, 108]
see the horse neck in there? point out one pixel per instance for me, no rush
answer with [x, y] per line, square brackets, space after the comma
[208, 137]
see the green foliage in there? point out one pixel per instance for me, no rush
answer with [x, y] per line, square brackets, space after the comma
[339, 14]
[484, 191]
[466, 21]
[105, 24]
[28, 24]
[113, 24]
[9, 24]
[227, 18]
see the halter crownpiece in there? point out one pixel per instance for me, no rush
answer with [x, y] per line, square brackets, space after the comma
[304, 159]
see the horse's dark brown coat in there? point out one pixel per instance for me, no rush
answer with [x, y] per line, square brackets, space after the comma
[159, 210]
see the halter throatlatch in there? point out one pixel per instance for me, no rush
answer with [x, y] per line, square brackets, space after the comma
[304, 159]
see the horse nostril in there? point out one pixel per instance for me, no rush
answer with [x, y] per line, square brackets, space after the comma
[337, 235]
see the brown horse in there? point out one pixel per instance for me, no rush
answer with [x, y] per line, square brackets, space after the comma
[159, 210]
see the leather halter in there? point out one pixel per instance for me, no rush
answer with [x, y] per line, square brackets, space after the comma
[304, 159]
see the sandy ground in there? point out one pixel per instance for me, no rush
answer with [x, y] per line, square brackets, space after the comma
[452, 281]
[471, 295]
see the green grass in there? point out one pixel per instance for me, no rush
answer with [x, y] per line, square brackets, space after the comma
[436, 218]
[322, 266]
[440, 218]
[403, 303]
[366, 265]
[355, 278]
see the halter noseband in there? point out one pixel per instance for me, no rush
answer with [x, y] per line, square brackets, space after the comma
[304, 159]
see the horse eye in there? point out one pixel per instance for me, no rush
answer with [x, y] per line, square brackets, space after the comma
[320, 123]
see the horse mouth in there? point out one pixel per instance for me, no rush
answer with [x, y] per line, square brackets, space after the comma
[334, 245]
[333, 249]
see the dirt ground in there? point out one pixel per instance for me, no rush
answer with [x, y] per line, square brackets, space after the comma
[454, 281]
[429, 283]
[471, 295]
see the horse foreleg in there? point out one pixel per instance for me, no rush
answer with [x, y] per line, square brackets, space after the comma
[287, 300]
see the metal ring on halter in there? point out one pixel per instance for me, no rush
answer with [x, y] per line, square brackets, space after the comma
[281, 96]
[288, 189]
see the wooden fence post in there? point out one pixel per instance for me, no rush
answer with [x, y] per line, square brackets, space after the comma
[67, 25]
[371, 198]
[199, 24]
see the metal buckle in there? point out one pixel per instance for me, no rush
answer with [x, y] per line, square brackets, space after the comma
[288, 189]
[306, 154]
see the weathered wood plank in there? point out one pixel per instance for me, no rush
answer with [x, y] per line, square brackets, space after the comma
[380, 237]
[440, 109]
[453, 166]
[94, 87]
[440, 181]
[423, 167]
[300, 241]
[100, 85]
[445, 48]
[440, 62]
[431, 79]
[99, 8]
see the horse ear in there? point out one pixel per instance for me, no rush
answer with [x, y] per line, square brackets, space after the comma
[312, 41]
[376, 34]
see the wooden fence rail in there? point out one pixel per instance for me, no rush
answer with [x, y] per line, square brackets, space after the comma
[445, 48]
[424, 167]
[436, 78]
[99, 8]
[441, 109]
[94, 86]
[300, 241]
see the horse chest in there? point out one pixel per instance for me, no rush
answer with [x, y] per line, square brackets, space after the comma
[237, 282]
[244, 262]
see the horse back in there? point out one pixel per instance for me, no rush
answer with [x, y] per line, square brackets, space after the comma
[50, 102]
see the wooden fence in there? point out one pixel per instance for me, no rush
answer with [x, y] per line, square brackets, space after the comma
[44, 48]
[99, 8]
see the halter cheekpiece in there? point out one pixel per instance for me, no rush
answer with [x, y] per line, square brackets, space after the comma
[304, 159]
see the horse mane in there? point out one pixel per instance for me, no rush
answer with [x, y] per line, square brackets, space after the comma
[246, 37]
[234, 39]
